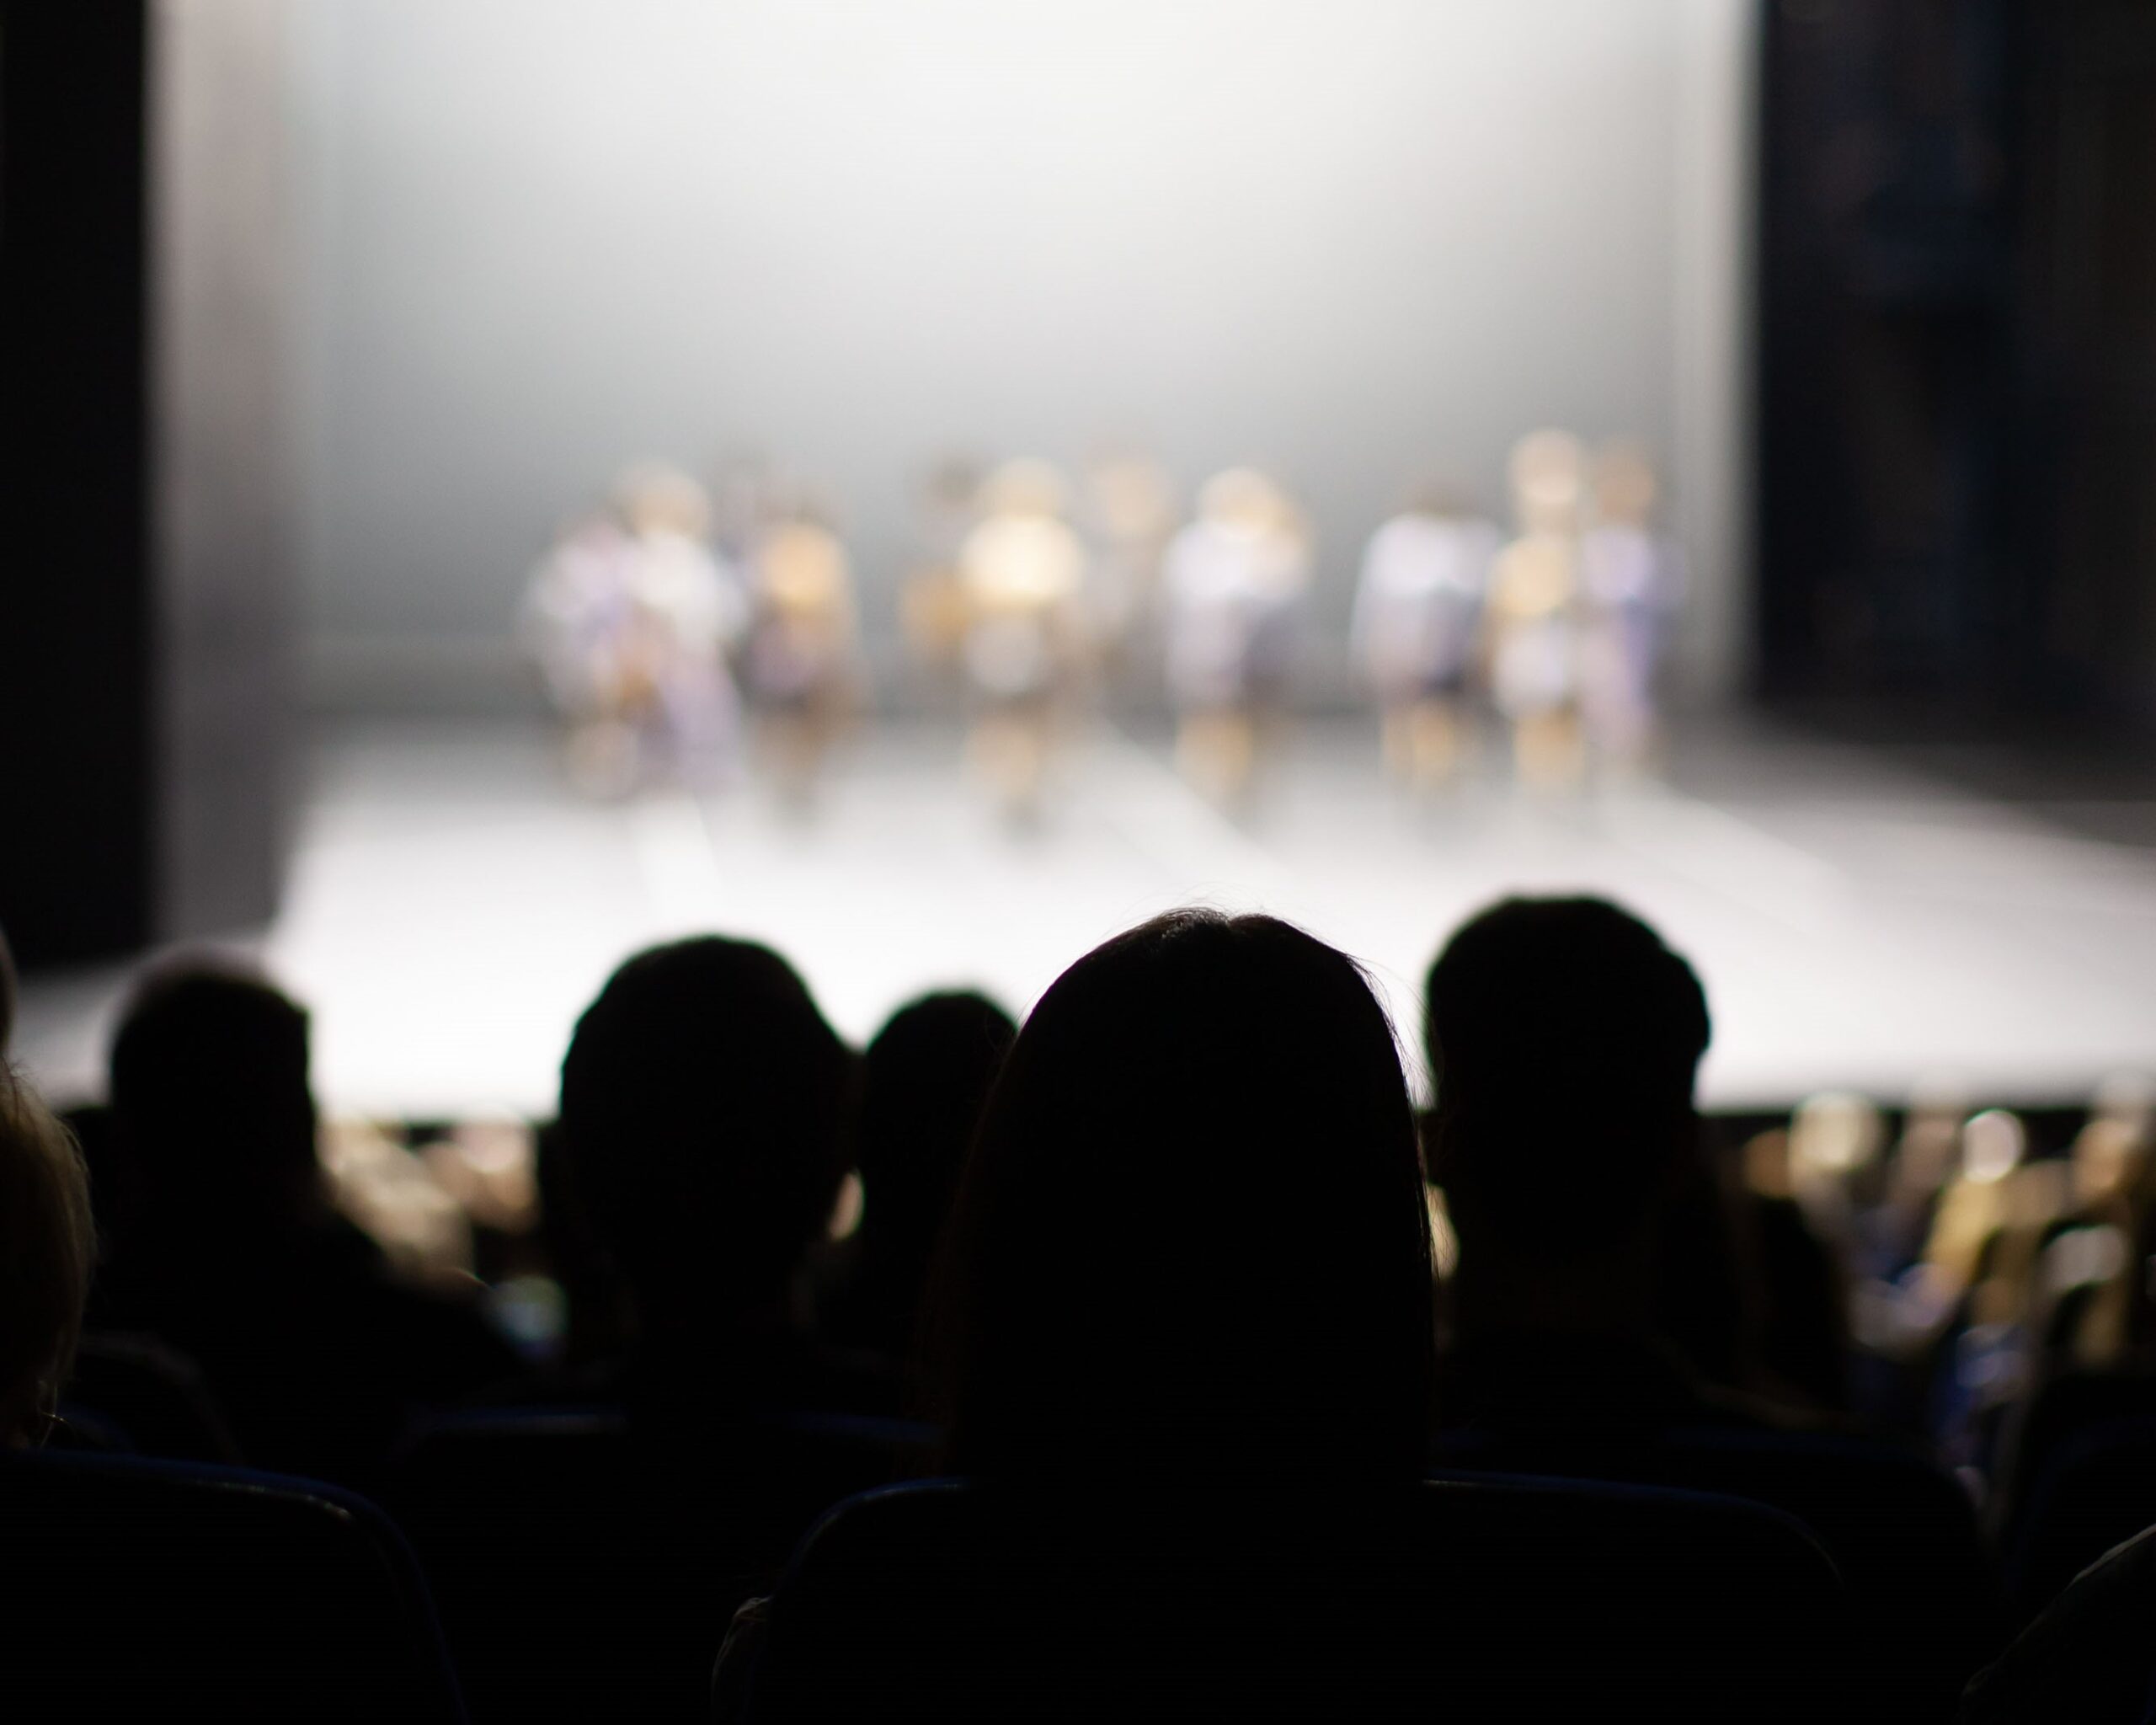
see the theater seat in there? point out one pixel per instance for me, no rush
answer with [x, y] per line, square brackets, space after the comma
[1924, 1588]
[135, 1590]
[1445, 1602]
[586, 1571]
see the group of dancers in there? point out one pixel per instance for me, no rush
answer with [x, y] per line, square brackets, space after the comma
[680, 628]
[648, 617]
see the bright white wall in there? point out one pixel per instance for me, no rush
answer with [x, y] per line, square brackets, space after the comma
[1341, 237]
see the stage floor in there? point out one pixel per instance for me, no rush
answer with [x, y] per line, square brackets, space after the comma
[1857, 923]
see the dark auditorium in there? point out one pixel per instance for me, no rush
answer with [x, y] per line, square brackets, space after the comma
[1078, 860]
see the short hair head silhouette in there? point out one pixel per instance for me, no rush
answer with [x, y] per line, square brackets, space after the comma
[1192, 1238]
[703, 1105]
[1563, 1039]
[209, 1084]
[924, 1080]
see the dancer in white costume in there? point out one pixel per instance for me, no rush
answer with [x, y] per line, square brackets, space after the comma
[1233, 584]
[1631, 584]
[1533, 633]
[1023, 575]
[631, 618]
[1418, 610]
[803, 659]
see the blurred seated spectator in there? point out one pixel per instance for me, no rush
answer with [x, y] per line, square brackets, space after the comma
[703, 1113]
[46, 1250]
[317, 1356]
[924, 1079]
[586, 1554]
[1564, 1037]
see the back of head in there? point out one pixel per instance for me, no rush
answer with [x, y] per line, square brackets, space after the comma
[209, 1083]
[1563, 1039]
[1192, 1238]
[703, 1099]
[47, 1247]
[924, 1080]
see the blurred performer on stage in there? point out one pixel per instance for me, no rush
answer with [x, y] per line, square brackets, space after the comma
[1418, 613]
[743, 506]
[631, 617]
[1023, 571]
[1130, 510]
[1630, 585]
[1533, 633]
[933, 602]
[803, 658]
[1234, 583]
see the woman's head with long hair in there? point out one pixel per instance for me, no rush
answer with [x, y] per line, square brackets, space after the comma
[1192, 1237]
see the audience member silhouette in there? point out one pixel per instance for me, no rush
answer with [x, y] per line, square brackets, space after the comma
[1563, 1037]
[317, 1356]
[46, 1249]
[924, 1080]
[1192, 1239]
[586, 1559]
[704, 1109]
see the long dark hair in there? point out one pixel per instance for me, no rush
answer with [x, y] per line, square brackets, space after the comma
[1192, 1236]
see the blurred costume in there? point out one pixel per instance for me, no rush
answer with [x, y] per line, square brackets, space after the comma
[631, 616]
[1130, 507]
[1534, 635]
[803, 654]
[1417, 610]
[1234, 583]
[1023, 574]
[1631, 585]
[932, 607]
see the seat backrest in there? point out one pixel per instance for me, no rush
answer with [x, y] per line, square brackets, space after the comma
[156, 1590]
[2097, 1491]
[586, 1570]
[1442, 1601]
[1924, 1589]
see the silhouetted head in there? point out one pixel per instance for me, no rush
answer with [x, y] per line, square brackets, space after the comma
[209, 1085]
[1563, 1039]
[704, 1102]
[46, 1249]
[1192, 1236]
[924, 1080]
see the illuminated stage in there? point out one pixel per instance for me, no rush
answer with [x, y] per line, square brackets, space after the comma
[452, 904]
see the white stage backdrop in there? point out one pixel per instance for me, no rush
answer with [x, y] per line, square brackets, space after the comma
[1344, 238]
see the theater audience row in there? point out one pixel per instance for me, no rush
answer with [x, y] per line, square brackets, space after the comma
[1183, 1233]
